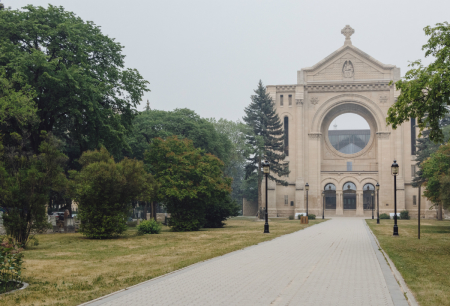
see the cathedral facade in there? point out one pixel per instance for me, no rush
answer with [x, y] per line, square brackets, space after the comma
[342, 167]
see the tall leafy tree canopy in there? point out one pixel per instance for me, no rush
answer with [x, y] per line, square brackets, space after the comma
[266, 137]
[425, 90]
[83, 93]
[183, 123]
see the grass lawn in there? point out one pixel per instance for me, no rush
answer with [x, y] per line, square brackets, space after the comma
[68, 269]
[424, 263]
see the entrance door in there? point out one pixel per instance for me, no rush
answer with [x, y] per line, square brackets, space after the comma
[349, 192]
[368, 196]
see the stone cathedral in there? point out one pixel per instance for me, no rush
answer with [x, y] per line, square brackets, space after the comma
[342, 167]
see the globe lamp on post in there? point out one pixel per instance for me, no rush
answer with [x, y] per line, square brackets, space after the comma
[266, 170]
[307, 188]
[394, 172]
[378, 202]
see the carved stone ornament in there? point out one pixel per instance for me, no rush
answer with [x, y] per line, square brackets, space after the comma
[299, 102]
[383, 99]
[347, 69]
[383, 135]
[315, 135]
[314, 100]
[347, 32]
[348, 87]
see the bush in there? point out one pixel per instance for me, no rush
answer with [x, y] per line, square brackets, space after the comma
[149, 227]
[219, 211]
[404, 215]
[10, 265]
[311, 217]
[131, 223]
[291, 217]
[384, 216]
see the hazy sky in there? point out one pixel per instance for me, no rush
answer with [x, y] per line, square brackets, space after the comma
[209, 55]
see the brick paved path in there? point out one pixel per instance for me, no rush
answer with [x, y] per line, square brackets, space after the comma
[332, 263]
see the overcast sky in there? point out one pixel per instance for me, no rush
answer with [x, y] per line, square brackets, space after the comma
[209, 55]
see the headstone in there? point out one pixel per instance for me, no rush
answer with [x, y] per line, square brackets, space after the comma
[138, 221]
[149, 215]
[69, 225]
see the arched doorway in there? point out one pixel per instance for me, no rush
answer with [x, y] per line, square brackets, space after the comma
[368, 196]
[349, 195]
[330, 196]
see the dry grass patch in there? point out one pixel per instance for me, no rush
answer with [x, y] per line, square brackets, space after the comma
[423, 263]
[68, 269]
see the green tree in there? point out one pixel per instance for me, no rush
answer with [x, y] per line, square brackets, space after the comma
[84, 94]
[16, 105]
[104, 191]
[425, 90]
[183, 123]
[266, 138]
[189, 180]
[25, 183]
[236, 132]
[436, 171]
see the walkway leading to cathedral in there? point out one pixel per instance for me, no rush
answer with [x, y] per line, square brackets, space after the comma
[332, 263]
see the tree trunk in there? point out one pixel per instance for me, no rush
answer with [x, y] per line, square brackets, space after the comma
[145, 210]
[153, 210]
[440, 211]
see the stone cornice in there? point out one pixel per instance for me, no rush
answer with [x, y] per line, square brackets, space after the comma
[315, 135]
[348, 87]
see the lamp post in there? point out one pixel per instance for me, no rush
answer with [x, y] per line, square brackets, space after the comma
[323, 205]
[307, 188]
[394, 171]
[378, 203]
[266, 169]
[418, 221]
[371, 198]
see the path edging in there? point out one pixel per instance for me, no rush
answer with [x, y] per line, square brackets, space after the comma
[403, 286]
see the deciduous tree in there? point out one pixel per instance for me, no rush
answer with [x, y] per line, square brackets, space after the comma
[84, 94]
[425, 90]
[189, 179]
[104, 190]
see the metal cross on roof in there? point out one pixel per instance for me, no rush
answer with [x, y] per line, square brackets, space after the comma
[347, 32]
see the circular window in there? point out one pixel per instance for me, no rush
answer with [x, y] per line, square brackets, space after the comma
[349, 133]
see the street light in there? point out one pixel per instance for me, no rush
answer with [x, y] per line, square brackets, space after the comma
[323, 205]
[307, 188]
[372, 194]
[394, 171]
[378, 203]
[266, 169]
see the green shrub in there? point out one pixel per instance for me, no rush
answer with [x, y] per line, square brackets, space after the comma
[384, 216]
[131, 223]
[218, 211]
[10, 265]
[404, 215]
[149, 227]
[291, 217]
[311, 217]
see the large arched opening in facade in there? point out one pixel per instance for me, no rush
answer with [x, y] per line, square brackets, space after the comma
[368, 196]
[349, 195]
[330, 196]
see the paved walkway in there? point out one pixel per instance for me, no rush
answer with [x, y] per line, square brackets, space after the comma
[333, 263]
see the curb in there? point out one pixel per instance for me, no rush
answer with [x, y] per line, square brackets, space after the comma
[25, 285]
[403, 286]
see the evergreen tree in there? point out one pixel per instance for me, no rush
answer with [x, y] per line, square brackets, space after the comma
[266, 137]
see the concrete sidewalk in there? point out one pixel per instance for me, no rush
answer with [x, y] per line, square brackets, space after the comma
[333, 263]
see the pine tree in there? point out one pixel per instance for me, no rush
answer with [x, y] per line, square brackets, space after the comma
[266, 137]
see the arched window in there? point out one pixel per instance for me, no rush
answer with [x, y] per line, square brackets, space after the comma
[286, 136]
[368, 196]
[349, 195]
[330, 196]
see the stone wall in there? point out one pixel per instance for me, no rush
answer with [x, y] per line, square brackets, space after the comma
[249, 208]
